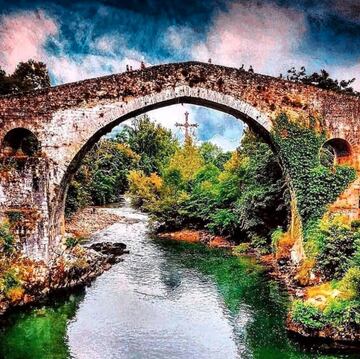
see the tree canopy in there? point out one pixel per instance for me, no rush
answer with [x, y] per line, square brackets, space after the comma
[30, 75]
[154, 143]
[320, 79]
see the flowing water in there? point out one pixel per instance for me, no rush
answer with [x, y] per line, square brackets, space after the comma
[165, 300]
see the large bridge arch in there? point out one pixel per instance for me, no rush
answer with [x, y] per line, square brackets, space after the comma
[116, 113]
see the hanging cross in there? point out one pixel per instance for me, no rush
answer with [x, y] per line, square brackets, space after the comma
[186, 126]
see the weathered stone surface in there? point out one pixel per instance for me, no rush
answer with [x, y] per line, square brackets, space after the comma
[68, 119]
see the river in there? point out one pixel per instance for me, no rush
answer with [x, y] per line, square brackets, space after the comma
[165, 300]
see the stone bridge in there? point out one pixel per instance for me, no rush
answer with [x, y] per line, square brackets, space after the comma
[65, 121]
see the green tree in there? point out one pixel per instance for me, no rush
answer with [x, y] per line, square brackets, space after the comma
[151, 141]
[102, 177]
[187, 160]
[320, 79]
[4, 83]
[214, 154]
[30, 75]
[244, 196]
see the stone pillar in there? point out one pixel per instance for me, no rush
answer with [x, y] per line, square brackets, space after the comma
[24, 202]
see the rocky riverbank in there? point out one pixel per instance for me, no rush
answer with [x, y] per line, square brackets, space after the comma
[198, 236]
[90, 220]
[24, 281]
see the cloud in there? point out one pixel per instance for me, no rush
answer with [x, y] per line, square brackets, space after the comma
[224, 142]
[179, 39]
[67, 68]
[349, 9]
[347, 73]
[265, 35]
[170, 115]
[104, 55]
[23, 36]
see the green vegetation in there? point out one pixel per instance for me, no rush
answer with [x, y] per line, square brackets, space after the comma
[315, 185]
[152, 142]
[307, 315]
[10, 273]
[6, 239]
[30, 75]
[331, 244]
[336, 253]
[102, 177]
[337, 250]
[240, 194]
[321, 80]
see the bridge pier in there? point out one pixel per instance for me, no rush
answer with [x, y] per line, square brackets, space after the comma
[24, 202]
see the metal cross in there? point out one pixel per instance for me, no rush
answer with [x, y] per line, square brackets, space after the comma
[186, 126]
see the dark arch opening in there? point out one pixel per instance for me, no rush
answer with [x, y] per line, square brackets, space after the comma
[335, 151]
[20, 142]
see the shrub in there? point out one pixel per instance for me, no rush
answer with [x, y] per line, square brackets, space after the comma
[355, 261]
[355, 224]
[260, 243]
[335, 257]
[351, 281]
[342, 313]
[304, 272]
[307, 315]
[71, 242]
[14, 216]
[15, 294]
[223, 221]
[314, 238]
[275, 238]
[284, 244]
[10, 279]
[241, 248]
[6, 239]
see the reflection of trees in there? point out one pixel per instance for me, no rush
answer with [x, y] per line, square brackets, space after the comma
[41, 332]
[171, 277]
[254, 305]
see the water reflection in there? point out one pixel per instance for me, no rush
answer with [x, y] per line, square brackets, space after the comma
[41, 332]
[166, 300]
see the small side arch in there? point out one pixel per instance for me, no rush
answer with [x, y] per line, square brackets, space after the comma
[20, 142]
[335, 151]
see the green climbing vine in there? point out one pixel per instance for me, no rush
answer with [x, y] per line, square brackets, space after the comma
[315, 185]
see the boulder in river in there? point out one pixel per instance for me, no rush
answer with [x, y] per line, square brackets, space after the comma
[109, 248]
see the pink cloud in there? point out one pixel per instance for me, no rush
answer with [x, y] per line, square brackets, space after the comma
[69, 69]
[23, 36]
[265, 36]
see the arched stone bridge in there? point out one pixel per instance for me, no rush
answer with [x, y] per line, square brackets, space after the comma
[67, 120]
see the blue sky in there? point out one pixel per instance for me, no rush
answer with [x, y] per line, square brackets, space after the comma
[83, 39]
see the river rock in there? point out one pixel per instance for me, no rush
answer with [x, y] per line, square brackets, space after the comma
[109, 248]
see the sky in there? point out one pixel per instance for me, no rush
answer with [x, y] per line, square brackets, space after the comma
[84, 39]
